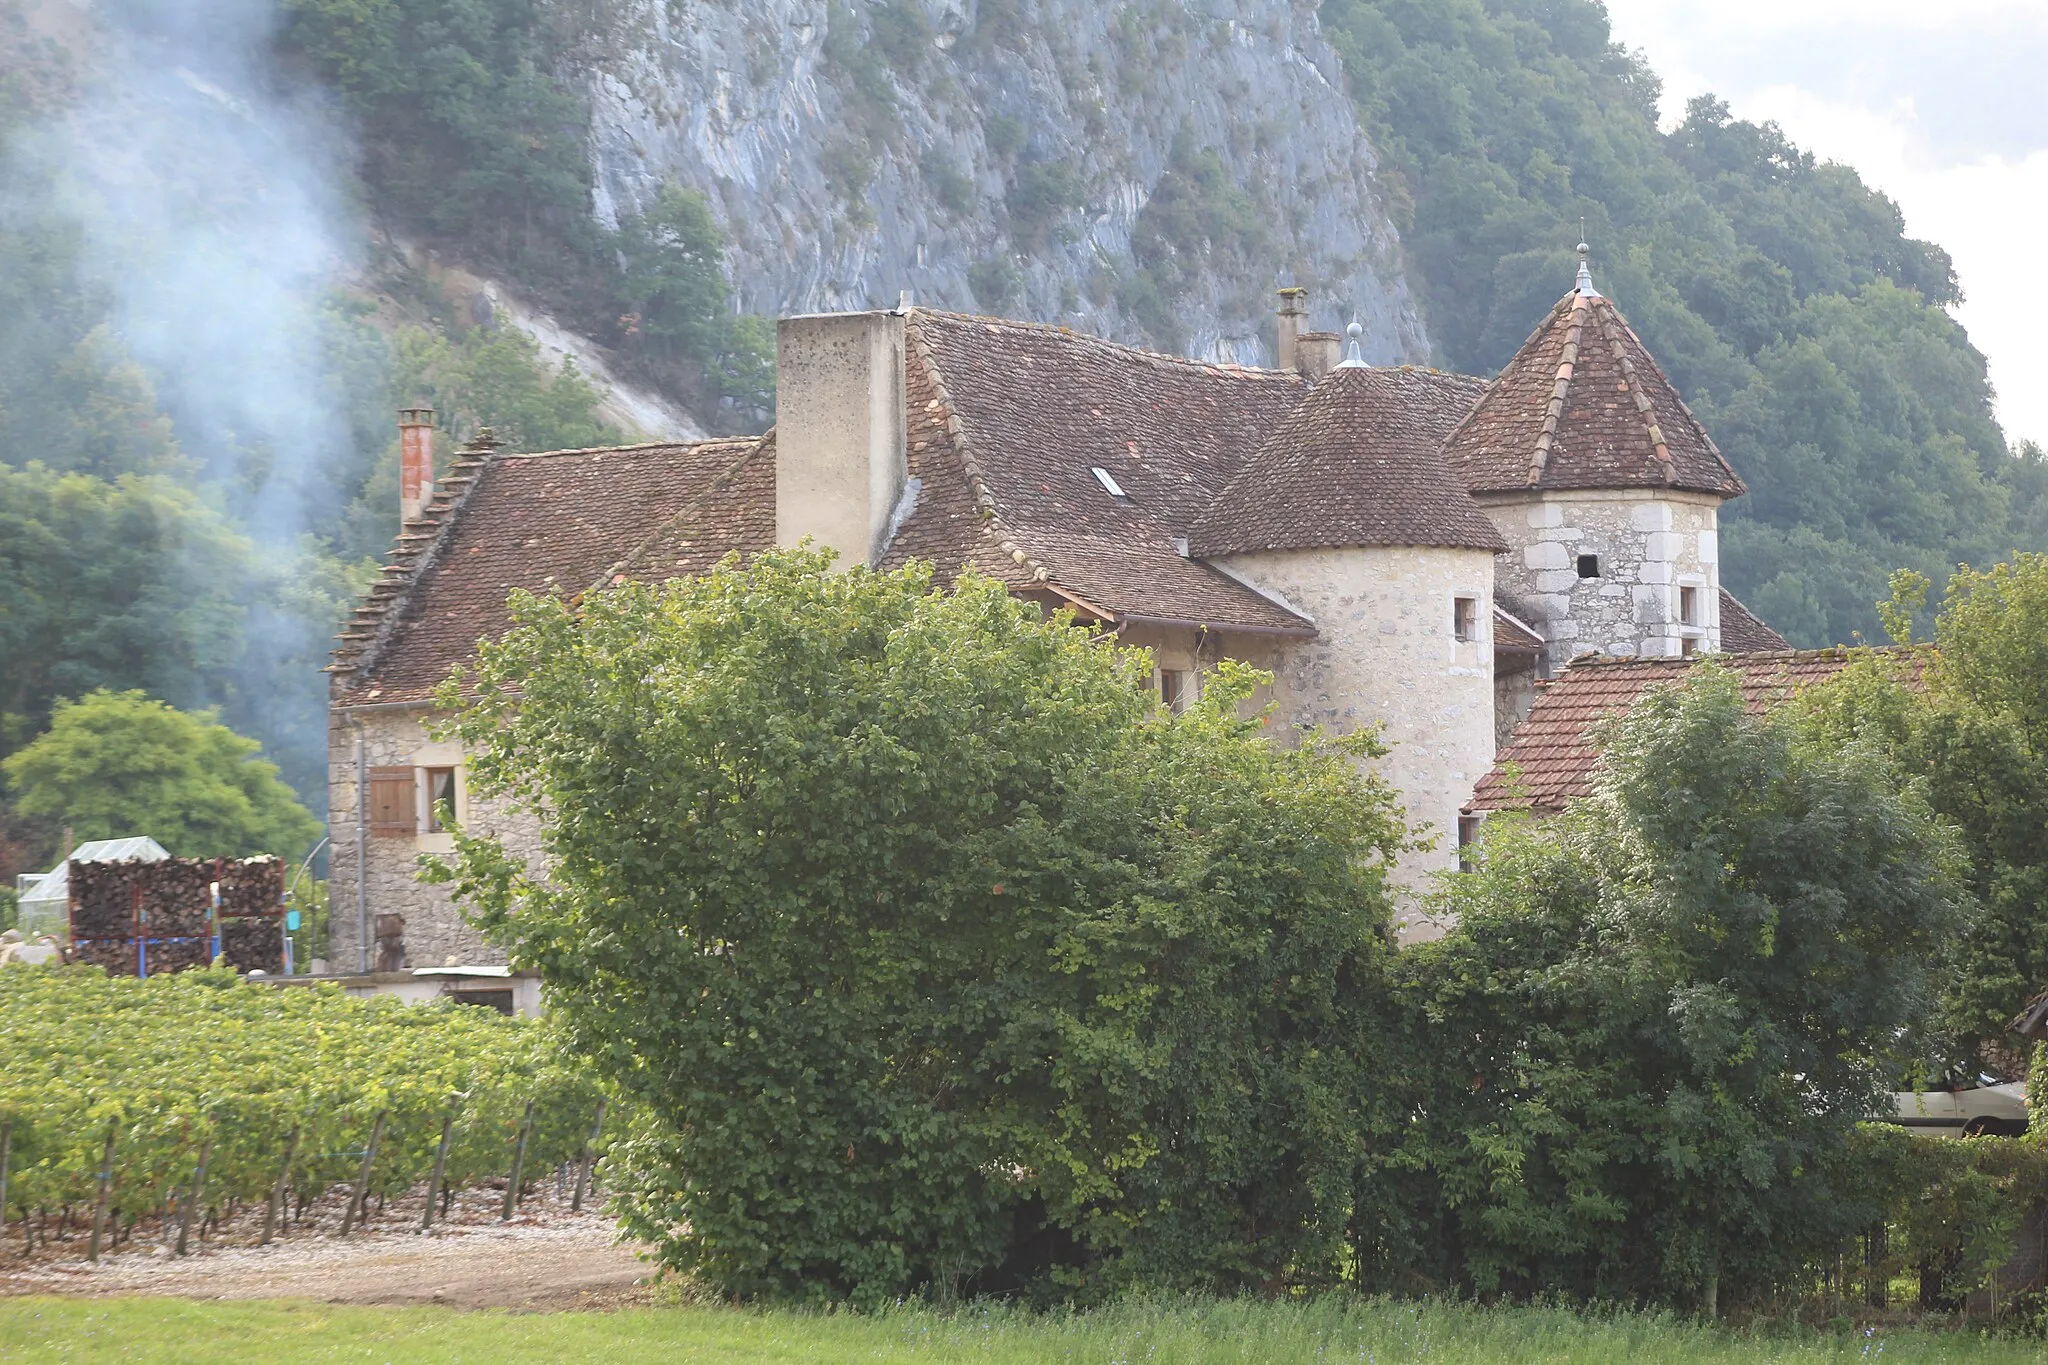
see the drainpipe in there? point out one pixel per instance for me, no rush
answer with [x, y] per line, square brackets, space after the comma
[362, 851]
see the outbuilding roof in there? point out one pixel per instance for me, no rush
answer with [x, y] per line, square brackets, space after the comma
[1551, 758]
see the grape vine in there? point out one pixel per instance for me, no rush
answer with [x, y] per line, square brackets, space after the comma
[205, 1058]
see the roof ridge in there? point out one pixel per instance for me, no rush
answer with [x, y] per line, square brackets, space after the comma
[718, 483]
[638, 446]
[1659, 447]
[984, 499]
[1140, 352]
[1698, 426]
[376, 616]
[1560, 388]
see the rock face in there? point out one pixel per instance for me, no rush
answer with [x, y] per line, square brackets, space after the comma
[1147, 172]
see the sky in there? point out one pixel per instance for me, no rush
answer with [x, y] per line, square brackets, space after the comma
[1937, 103]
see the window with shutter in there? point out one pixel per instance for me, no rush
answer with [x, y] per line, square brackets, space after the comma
[394, 802]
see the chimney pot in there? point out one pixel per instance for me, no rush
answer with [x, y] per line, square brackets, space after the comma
[415, 462]
[1293, 315]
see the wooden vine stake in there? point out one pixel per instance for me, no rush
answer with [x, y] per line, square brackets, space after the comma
[440, 1168]
[518, 1161]
[6, 1158]
[584, 1159]
[359, 1197]
[284, 1172]
[99, 1208]
[193, 1200]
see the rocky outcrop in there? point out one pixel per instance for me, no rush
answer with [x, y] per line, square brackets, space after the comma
[1148, 172]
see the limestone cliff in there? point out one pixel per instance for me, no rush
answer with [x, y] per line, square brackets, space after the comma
[1146, 172]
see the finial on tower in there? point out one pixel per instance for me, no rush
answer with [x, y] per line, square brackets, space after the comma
[1586, 273]
[1354, 356]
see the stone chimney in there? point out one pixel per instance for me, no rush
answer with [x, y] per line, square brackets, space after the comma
[415, 462]
[839, 431]
[1293, 316]
[1317, 353]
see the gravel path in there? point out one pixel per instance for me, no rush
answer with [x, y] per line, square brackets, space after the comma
[546, 1258]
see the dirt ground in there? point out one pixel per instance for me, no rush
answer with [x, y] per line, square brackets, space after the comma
[545, 1259]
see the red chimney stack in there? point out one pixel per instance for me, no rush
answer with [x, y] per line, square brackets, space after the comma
[415, 462]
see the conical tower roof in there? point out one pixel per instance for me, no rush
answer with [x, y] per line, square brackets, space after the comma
[1584, 405]
[1358, 462]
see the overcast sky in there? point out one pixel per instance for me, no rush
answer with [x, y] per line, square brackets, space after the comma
[1939, 103]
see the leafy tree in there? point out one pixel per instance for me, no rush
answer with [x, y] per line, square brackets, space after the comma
[1664, 1011]
[1969, 720]
[937, 954]
[127, 584]
[114, 764]
[496, 378]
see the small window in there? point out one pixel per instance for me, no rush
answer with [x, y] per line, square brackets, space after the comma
[440, 788]
[1173, 688]
[1689, 606]
[1589, 566]
[1465, 618]
[1468, 835]
[1689, 646]
[1109, 484]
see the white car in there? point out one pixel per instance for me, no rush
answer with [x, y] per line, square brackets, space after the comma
[1998, 1110]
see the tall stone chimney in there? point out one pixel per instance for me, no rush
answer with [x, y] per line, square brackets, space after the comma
[1293, 317]
[839, 431]
[415, 462]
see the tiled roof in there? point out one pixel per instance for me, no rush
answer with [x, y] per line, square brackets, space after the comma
[568, 521]
[1358, 462]
[1583, 405]
[1552, 754]
[1742, 632]
[1017, 416]
[1511, 635]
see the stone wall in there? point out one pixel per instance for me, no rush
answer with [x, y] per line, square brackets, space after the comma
[434, 928]
[1386, 653]
[1649, 547]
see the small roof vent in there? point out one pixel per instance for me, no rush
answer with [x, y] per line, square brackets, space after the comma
[1109, 484]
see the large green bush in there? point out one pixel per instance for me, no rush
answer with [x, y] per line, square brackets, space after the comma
[936, 953]
[1639, 1061]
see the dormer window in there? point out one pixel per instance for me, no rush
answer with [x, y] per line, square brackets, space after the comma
[1108, 482]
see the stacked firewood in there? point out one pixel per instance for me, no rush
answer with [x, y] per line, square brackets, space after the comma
[170, 905]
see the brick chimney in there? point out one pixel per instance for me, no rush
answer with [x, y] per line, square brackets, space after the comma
[1293, 317]
[839, 431]
[415, 462]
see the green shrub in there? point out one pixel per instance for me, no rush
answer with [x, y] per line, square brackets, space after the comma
[1642, 1056]
[1043, 193]
[939, 956]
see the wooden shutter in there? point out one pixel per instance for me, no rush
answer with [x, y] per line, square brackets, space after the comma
[394, 802]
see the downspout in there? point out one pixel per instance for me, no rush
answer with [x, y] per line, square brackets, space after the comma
[362, 852]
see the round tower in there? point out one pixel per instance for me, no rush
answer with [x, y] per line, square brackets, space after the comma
[1605, 487]
[1351, 516]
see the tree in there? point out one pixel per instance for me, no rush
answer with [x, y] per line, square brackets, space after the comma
[1969, 720]
[936, 954]
[1665, 1010]
[114, 764]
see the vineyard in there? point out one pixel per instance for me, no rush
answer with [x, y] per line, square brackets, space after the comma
[164, 1102]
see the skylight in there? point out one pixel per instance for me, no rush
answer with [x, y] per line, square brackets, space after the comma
[1102, 476]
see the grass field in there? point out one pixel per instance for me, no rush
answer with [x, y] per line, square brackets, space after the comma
[167, 1330]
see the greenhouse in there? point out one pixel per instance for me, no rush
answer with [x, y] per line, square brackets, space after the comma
[46, 899]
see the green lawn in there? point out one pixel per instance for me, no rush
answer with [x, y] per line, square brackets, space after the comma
[38, 1329]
